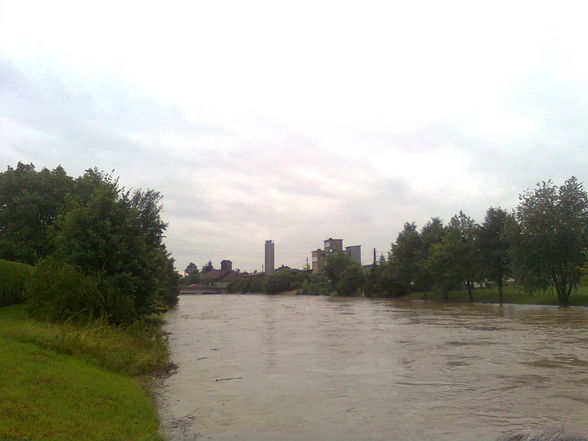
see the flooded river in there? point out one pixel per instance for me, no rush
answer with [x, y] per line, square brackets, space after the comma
[302, 368]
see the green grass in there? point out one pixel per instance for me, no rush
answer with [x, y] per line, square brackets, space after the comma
[512, 294]
[63, 382]
[134, 350]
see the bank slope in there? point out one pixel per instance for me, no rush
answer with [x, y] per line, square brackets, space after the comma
[51, 396]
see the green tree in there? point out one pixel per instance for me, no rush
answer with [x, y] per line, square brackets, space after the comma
[454, 260]
[191, 274]
[336, 263]
[206, 268]
[345, 275]
[29, 203]
[494, 249]
[549, 237]
[116, 237]
[381, 280]
[283, 280]
[431, 233]
[351, 280]
[407, 253]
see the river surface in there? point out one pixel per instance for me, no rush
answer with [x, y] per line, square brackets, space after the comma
[303, 368]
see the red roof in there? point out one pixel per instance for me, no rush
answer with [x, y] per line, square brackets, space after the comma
[222, 275]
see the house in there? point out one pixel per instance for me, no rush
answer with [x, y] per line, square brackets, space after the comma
[221, 278]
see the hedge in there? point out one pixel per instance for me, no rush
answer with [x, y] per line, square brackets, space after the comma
[14, 277]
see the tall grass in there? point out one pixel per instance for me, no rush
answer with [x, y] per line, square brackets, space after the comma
[136, 349]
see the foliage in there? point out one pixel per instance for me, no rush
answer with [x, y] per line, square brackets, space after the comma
[206, 268]
[284, 280]
[13, 280]
[29, 203]
[108, 239]
[345, 275]
[452, 261]
[247, 285]
[350, 281]
[381, 281]
[191, 275]
[407, 254]
[116, 237]
[494, 259]
[314, 284]
[62, 292]
[549, 237]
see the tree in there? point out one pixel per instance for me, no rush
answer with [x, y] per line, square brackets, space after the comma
[191, 274]
[29, 203]
[431, 234]
[549, 237]
[206, 268]
[407, 254]
[345, 275]
[494, 249]
[115, 237]
[452, 261]
[351, 280]
[335, 265]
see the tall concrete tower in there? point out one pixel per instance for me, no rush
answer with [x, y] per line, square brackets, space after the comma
[269, 257]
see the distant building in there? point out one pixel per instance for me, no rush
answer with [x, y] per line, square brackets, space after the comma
[222, 277]
[319, 257]
[269, 257]
[354, 253]
[333, 245]
[226, 265]
[318, 261]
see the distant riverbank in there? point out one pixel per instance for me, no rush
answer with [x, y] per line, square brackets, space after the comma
[512, 295]
[63, 382]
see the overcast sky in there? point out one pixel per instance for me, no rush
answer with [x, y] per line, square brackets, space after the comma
[299, 120]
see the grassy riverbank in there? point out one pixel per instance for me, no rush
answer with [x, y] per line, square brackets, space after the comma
[512, 294]
[62, 382]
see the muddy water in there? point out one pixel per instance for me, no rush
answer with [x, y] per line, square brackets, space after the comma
[292, 368]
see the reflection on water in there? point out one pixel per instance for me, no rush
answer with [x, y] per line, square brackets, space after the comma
[342, 369]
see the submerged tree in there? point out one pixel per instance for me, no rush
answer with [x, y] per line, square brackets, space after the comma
[549, 237]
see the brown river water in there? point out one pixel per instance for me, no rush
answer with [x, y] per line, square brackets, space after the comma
[303, 368]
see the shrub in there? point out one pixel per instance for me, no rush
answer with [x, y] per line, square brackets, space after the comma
[249, 284]
[315, 285]
[350, 281]
[284, 280]
[61, 291]
[13, 279]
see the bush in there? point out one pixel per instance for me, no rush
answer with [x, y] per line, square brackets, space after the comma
[284, 280]
[350, 281]
[13, 279]
[247, 285]
[61, 291]
[316, 285]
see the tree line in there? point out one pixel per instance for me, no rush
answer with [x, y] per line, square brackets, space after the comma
[97, 248]
[541, 244]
